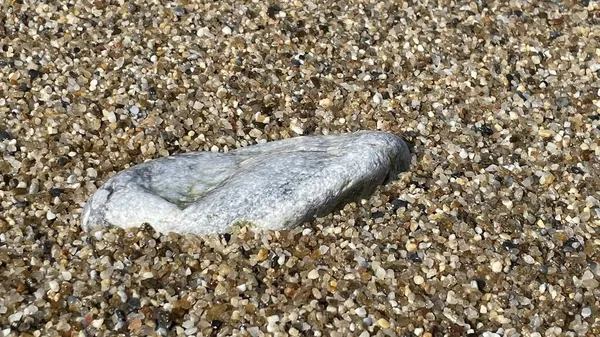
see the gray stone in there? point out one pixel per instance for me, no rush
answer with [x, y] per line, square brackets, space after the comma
[276, 185]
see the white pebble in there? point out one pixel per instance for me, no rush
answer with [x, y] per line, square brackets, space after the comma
[34, 188]
[191, 331]
[97, 323]
[360, 312]
[187, 324]
[54, 286]
[30, 310]
[111, 117]
[118, 265]
[134, 110]
[377, 98]
[272, 323]
[91, 172]
[490, 334]
[15, 317]
[418, 279]
[496, 266]
[451, 297]
[66, 275]
[586, 312]
[528, 259]
[313, 274]
[147, 275]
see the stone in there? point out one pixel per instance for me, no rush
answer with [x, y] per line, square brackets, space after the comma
[272, 186]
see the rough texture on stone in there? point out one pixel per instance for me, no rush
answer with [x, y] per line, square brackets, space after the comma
[275, 185]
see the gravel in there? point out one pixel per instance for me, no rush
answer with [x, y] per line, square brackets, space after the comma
[494, 232]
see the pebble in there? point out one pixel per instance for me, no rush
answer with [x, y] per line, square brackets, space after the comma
[66, 276]
[281, 184]
[15, 317]
[360, 312]
[50, 215]
[528, 259]
[54, 286]
[418, 279]
[97, 323]
[586, 312]
[313, 274]
[383, 323]
[496, 266]
[589, 281]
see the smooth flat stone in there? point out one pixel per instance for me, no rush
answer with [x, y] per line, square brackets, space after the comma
[275, 185]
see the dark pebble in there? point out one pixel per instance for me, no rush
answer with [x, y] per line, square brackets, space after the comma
[164, 319]
[576, 170]
[376, 215]
[316, 82]
[562, 102]
[121, 315]
[480, 284]
[5, 135]
[572, 244]
[226, 237]
[399, 203]
[274, 261]
[414, 257]
[509, 78]
[134, 304]
[273, 10]
[33, 74]
[62, 161]
[216, 324]
[179, 11]
[485, 130]
[509, 245]
[56, 192]
[22, 204]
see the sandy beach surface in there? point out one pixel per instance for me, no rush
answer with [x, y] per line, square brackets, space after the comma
[493, 232]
